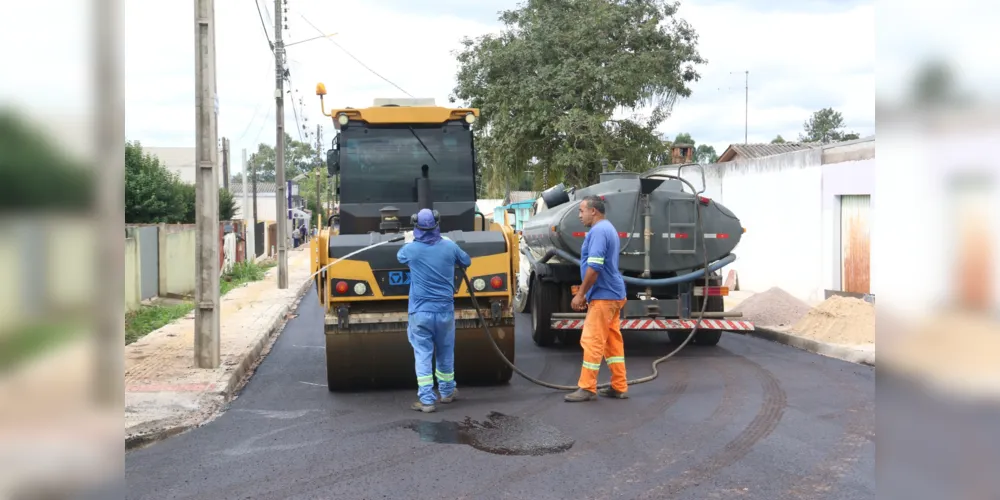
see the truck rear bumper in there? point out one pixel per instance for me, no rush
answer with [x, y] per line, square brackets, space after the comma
[664, 324]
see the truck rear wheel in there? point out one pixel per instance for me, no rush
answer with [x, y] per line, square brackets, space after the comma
[709, 337]
[545, 301]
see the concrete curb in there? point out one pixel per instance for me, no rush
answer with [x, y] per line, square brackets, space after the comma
[841, 352]
[225, 388]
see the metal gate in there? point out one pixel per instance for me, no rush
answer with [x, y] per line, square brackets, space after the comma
[258, 239]
[149, 261]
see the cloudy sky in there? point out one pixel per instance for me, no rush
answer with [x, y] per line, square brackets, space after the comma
[802, 55]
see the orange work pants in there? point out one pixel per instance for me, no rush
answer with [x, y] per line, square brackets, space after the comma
[602, 339]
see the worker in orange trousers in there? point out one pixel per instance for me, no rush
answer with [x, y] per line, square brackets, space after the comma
[602, 294]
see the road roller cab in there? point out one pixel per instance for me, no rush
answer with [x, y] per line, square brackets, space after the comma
[393, 159]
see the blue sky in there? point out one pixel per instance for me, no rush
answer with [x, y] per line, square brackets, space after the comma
[802, 55]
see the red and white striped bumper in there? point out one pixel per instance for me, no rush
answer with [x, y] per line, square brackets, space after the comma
[662, 324]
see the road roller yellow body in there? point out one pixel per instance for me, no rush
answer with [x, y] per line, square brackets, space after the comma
[393, 159]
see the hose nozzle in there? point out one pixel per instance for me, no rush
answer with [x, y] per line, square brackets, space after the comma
[405, 236]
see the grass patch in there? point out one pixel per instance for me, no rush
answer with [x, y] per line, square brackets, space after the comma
[30, 341]
[147, 319]
[241, 274]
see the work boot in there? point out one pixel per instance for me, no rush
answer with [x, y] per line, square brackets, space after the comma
[580, 395]
[450, 398]
[610, 392]
[418, 406]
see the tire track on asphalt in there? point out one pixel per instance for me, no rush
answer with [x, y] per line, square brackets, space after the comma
[860, 428]
[767, 419]
[732, 400]
[672, 394]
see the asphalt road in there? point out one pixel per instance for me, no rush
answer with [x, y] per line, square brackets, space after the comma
[747, 419]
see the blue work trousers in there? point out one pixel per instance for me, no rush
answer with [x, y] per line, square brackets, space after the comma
[432, 336]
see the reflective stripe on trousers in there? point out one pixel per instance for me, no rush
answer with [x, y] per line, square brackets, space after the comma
[602, 337]
[432, 336]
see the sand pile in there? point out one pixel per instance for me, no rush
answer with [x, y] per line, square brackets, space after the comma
[839, 320]
[957, 349]
[775, 307]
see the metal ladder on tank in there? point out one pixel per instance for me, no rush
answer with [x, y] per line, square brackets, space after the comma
[675, 227]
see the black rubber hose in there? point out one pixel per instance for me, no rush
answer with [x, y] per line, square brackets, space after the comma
[648, 378]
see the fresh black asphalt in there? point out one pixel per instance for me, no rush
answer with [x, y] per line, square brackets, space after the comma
[747, 419]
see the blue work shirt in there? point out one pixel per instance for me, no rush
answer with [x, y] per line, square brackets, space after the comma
[600, 252]
[432, 274]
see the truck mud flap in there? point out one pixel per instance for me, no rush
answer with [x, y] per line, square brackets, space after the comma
[731, 325]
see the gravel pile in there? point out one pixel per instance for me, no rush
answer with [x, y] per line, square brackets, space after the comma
[775, 307]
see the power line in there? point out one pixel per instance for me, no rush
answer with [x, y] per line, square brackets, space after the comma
[390, 82]
[264, 26]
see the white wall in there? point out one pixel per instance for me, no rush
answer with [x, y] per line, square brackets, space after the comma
[788, 204]
[266, 207]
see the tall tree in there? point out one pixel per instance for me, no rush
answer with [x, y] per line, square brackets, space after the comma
[550, 84]
[299, 157]
[824, 126]
[778, 140]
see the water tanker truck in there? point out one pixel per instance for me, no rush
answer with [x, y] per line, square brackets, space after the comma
[669, 234]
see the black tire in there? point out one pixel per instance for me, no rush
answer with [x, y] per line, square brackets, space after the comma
[545, 301]
[709, 338]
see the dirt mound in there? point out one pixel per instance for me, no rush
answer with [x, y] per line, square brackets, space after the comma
[839, 320]
[775, 307]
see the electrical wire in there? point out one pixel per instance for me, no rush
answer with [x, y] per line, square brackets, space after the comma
[359, 61]
[260, 14]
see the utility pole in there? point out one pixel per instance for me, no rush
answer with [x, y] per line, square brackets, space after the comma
[225, 163]
[279, 144]
[109, 391]
[253, 166]
[206, 315]
[250, 239]
[319, 170]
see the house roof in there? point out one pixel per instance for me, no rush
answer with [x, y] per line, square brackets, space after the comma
[762, 150]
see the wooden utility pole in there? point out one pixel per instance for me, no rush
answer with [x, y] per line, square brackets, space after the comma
[279, 144]
[206, 314]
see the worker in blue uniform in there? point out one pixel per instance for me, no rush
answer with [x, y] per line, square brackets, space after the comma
[431, 329]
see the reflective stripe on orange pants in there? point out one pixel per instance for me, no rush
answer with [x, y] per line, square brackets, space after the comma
[602, 340]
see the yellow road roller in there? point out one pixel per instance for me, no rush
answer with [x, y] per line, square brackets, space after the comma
[393, 159]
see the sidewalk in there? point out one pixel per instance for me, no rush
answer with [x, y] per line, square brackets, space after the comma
[166, 394]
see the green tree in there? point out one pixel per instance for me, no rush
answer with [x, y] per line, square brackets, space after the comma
[824, 126]
[35, 174]
[299, 157]
[153, 194]
[550, 84]
[778, 140]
